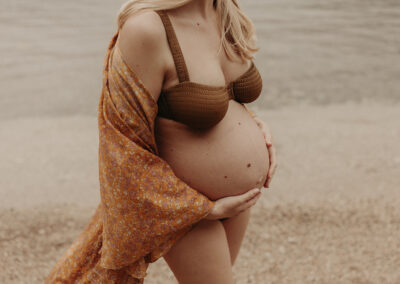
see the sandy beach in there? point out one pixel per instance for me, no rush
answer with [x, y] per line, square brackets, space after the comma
[331, 97]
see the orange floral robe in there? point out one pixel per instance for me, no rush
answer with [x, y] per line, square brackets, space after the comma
[145, 208]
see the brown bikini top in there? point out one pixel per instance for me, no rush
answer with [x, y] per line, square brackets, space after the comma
[199, 105]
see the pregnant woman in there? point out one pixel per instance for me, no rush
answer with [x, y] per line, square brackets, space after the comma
[181, 158]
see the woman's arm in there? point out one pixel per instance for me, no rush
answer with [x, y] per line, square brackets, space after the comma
[142, 43]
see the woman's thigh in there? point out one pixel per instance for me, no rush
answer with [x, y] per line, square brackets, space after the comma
[235, 228]
[202, 255]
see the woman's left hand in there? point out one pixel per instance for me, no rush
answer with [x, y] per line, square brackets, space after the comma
[271, 149]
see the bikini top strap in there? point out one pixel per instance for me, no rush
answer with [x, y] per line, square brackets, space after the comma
[176, 51]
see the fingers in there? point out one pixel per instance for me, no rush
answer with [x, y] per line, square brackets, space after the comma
[249, 203]
[265, 130]
[245, 197]
[268, 135]
[271, 150]
[232, 205]
[272, 165]
[261, 125]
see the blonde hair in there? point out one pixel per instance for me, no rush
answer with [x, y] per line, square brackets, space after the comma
[237, 30]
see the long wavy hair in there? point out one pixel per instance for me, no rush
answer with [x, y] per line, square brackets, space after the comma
[237, 30]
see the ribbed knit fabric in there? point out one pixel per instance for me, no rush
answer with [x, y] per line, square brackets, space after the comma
[199, 105]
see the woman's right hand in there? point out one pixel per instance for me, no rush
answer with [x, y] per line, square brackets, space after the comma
[230, 206]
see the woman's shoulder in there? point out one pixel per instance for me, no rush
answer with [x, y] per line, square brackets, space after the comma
[142, 42]
[144, 26]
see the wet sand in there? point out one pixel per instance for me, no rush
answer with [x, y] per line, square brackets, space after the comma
[331, 97]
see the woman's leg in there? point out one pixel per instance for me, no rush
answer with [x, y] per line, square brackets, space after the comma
[235, 228]
[202, 255]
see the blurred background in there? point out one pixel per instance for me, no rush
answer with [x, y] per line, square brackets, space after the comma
[331, 97]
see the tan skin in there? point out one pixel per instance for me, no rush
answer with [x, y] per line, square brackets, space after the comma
[207, 253]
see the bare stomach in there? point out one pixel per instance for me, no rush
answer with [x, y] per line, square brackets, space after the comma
[227, 159]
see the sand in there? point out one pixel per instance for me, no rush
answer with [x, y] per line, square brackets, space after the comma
[331, 97]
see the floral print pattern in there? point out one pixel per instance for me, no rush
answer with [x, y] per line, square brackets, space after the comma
[145, 208]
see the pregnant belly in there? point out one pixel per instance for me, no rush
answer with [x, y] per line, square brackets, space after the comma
[227, 159]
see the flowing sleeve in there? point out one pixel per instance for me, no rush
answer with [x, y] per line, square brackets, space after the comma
[146, 206]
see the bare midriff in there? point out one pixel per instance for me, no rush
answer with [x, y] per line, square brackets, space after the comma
[227, 159]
